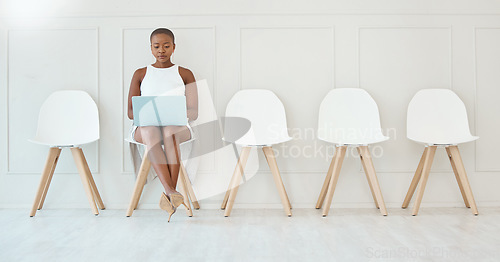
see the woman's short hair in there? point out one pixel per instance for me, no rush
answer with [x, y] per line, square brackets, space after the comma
[162, 31]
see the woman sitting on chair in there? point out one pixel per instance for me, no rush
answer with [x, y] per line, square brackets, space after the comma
[158, 79]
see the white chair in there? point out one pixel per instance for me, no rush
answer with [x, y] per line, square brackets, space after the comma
[437, 117]
[349, 117]
[186, 189]
[268, 127]
[67, 119]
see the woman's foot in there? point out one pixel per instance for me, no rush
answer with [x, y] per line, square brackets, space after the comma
[166, 204]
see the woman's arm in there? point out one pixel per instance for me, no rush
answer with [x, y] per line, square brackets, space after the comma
[191, 93]
[135, 89]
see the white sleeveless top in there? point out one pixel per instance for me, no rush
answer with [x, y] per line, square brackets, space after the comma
[163, 82]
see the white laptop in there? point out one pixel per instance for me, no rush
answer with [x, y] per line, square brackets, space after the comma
[159, 110]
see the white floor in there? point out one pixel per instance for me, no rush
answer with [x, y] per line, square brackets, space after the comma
[436, 234]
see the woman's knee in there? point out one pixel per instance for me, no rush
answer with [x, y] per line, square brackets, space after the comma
[149, 134]
[170, 132]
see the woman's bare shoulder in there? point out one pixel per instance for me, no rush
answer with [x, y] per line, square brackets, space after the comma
[186, 75]
[184, 70]
[140, 72]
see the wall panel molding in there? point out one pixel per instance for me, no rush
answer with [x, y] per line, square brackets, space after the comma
[8, 103]
[331, 75]
[476, 103]
[448, 28]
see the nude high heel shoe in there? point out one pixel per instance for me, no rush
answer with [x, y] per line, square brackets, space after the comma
[166, 205]
[177, 199]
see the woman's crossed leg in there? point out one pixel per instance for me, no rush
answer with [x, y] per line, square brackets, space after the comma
[165, 161]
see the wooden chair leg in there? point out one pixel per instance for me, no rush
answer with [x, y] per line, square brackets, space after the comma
[226, 196]
[368, 177]
[237, 175]
[49, 165]
[429, 157]
[282, 185]
[416, 179]
[457, 159]
[184, 191]
[457, 177]
[139, 183]
[286, 195]
[51, 174]
[328, 177]
[80, 164]
[191, 193]
[271, 161]
[337, 165]
[228, 191]
[367, 161]
[93, 186]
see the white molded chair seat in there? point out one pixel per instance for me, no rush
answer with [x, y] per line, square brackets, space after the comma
[349, 116]
[266, 114]
[67, 118]
[268, 127]
[438, 117]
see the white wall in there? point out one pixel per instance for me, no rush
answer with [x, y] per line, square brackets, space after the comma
[298, 49]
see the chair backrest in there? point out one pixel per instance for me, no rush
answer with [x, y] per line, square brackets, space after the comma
[349, 116]
[438, 116]
[67, 118]
[266, 114]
